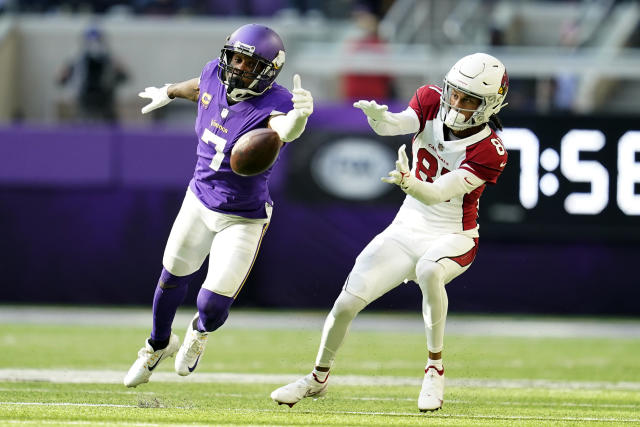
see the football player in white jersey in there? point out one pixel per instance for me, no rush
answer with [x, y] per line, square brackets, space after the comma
[434, 237]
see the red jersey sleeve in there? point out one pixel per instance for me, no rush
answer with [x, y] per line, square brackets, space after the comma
[486, 159]
[426, 102]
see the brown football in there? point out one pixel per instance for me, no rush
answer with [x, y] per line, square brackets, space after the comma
[255, 152]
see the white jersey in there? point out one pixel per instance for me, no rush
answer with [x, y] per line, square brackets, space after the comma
[482, 154]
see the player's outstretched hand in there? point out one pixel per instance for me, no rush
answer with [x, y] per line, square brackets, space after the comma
[400, 175]
[371, 109]
[302, 99]
[157, 95]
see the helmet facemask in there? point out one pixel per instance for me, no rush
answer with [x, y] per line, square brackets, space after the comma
[453, 117]
[259, 79]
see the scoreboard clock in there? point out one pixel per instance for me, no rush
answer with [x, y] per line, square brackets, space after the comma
[568, 177]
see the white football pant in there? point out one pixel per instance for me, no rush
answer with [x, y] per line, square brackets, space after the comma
[399, 253]
[231, 241]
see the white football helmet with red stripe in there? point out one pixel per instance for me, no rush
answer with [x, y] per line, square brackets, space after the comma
[479, 75]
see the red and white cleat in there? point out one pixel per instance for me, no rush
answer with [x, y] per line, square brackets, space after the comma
[432, 393]
[307, 386]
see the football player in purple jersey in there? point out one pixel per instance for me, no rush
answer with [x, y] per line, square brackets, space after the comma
[223, 215]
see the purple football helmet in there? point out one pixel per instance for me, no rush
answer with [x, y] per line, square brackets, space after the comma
[258, 42]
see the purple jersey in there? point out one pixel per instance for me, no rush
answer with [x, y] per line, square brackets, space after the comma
[218, 127]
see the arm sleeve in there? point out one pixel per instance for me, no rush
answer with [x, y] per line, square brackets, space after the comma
[401, 123]
[450, 185]
[288, 126]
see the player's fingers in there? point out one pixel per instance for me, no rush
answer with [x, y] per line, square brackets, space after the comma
[304, 109]
[389, 179]
[301, 93]
[298, 97]
[145, 109]
[393, 178]
[297, 83]
[401, 151]
[402, 158]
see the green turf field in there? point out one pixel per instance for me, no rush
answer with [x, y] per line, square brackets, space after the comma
[70, 374]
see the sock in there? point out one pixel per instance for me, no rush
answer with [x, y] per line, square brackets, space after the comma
[437, 364]
[320, 376]
[170, 292]
[158, 344]
[213, 309]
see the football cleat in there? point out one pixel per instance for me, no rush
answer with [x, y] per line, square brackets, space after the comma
[192, 348]
[432, 393]
[148, 360]
[307, 386]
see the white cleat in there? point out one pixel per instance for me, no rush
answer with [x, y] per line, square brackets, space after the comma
[432, 393]
[192, 348]
[148, 360]
[307, 386]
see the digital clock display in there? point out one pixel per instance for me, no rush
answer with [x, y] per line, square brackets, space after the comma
[574, 177]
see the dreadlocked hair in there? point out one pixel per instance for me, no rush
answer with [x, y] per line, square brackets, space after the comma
[495, 123]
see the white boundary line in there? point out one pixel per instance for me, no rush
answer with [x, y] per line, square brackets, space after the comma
[116, 377]
[411, 322]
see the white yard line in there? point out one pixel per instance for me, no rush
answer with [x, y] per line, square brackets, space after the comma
[521, 326]
[116, 377]
[108, 405]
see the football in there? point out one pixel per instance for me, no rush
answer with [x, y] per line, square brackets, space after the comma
[255, 152]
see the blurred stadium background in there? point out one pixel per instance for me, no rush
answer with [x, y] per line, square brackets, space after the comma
[86, 204]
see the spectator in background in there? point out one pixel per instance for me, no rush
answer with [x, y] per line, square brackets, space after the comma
[94, 76]
[357, 85]
[564, 85]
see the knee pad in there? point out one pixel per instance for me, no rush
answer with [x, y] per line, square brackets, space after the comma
[171, 281]
[347, 305]
[179, 265]
[429, 273]
[213, 309]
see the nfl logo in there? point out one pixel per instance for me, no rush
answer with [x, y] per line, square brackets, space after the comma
[440, 146]
[224, 113]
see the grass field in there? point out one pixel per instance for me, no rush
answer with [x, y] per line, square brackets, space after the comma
[69, 373]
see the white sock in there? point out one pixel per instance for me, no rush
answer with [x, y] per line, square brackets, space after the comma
[320, 376]
[436, 363]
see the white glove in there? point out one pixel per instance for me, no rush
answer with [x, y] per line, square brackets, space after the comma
[448, 186]
[302, 99]
[291, 125]
[401, 175]
[371, 109]
[157, 95]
